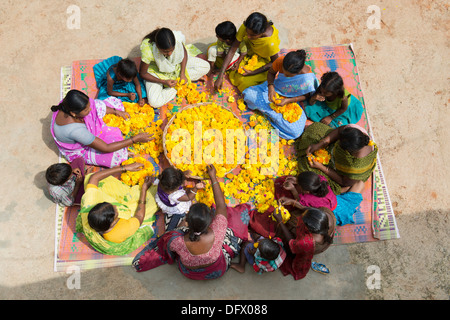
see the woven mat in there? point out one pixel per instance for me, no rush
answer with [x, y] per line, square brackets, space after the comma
[374, 219]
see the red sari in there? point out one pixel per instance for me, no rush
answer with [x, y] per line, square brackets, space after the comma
[300, 250]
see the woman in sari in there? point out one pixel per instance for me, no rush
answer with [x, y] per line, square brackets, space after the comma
[353, 154]
[116, 219]
[79, 131]
[262, 40]
[204, 250]
[164, 59]
[308, 232]
[294, 83]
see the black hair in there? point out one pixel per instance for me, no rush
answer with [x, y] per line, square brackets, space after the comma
[58, 173]
[199, 219]
[127, 68]
[75, 101]
[257, 22]
[294, 61]
[226, 30]
[316, 220]
[171, 179]
[163, 37]
[268, 249]
[310, 181]
[101, 217]
[332, 82]
[353, 139]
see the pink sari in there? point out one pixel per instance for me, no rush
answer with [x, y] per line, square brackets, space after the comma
[95, 125]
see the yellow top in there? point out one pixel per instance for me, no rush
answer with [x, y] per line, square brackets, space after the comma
[122, 230]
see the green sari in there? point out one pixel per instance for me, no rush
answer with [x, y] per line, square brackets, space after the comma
[341, 160]
[125, 199]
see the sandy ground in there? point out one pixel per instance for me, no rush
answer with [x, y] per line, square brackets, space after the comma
[405, 78]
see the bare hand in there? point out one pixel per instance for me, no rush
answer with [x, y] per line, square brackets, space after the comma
[326, 120]
[271, 94]
[134, 166]
[286, 201]
[319, 97]
[171, 83]
[218, 84]
[288, 185]
[143, 137]
[141, 102]
[316, 165]
[312, 148]
[148, 182]
[211, 170]
[132, 96]
[200, 185]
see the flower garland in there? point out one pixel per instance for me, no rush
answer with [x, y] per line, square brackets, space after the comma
[291, 112]
[212, 117]
[189, 92]
[141, 120]
[285, 214]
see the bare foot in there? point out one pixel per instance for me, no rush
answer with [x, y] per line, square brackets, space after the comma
[237, 267]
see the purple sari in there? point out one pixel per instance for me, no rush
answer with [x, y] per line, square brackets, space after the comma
[95, 125]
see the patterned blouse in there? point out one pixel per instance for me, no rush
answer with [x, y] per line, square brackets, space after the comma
[219, 227]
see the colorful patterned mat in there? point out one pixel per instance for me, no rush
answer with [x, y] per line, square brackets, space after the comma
[374, 219]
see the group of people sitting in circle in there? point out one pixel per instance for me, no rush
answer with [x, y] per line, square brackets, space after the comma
[117, 219]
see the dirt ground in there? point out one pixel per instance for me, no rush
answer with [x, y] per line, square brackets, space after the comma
[405, 78]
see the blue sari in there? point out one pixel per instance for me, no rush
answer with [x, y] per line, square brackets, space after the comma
[257, 98]
[101, 69]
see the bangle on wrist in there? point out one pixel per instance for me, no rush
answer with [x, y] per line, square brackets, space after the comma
[132, 140]
[142, 202]
[215, 183]
[123, 168]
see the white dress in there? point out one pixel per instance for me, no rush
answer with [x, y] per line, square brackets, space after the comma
[181, 207]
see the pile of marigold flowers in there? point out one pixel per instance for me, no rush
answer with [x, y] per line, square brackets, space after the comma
[189, 92]
[250, 184]
[141, 120]
[291, 112]
[132, 178]
[250, 64]
[213, 121]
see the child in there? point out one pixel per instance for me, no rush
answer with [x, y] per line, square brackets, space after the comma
[265, 255]
[226, 35]
[165, 59]
[173, 199]
[119, 78]
[332, 104]
[65, 182]
[309, 189]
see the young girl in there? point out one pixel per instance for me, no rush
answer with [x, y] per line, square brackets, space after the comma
[172, 197]
[119, 78]
[264, 255]
[290, 77]
[309, 189]
[164, 59]
[226, 35]
[332, 104]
